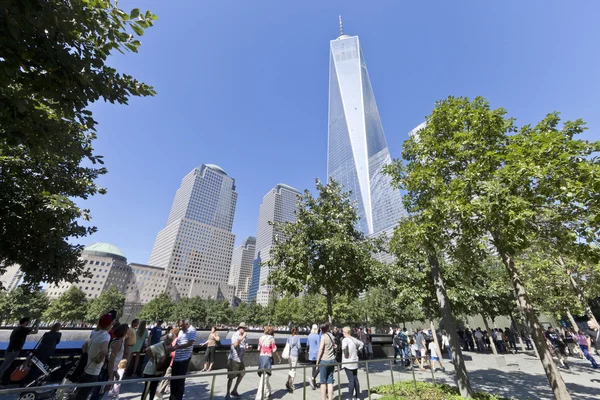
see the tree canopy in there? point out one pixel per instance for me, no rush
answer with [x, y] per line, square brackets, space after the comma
[54, 65]
[323, 252]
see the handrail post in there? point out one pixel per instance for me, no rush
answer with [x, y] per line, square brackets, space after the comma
[212, 387]
[368, 380]
[339, 366]
[262, 381]
[412, 368]
[432, 374]
[392, 373]
[304, 382]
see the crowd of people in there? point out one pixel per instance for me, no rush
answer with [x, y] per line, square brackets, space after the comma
[117, 350]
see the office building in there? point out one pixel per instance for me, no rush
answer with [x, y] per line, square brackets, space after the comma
[196, 245]
[107, 267]
[242, 261]
[357, 149]
[278, 206]
[12, 276]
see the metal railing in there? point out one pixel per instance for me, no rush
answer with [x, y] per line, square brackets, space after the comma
[233, 374]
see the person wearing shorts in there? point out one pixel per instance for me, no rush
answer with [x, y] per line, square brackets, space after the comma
[326, 360]
[557, 346]
[235, 363]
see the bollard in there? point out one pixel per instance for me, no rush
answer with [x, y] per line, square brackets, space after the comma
[212, 387]
[368, 381]
[392, 373]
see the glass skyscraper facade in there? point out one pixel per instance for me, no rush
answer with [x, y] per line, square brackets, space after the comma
[357, 149]
[197, 244]
[242, 263]
[278, 206]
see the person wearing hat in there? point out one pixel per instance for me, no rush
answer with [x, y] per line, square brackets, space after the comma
[235, 363]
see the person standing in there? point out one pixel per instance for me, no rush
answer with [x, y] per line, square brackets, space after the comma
[420, 339]
[369, 344]
[479, 340]
[159, 356]
[141, 335]
[396, 344]
[350, 349]
[469, 340]
[313, 341]
[362, 336]
[235, 362]
[156, 333]
[446, 344]
[593, 332]
[116, 348]
[326, 360]
[585, 344]
[164, 385]
[556, 345]
[266, 350]
[47, 346]
[294, 343]
[96, 348]
[183, 354]
[130, 341]
[16, 342]
[211, 346]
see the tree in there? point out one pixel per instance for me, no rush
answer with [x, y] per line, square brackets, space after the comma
[108, 300]
[71, 306]
[53, 67]
[287, 310]
[26, 302]
[506, 191]
[322, 252]
[160, 307]
[192, 308]
[218, 312]
[313, 309]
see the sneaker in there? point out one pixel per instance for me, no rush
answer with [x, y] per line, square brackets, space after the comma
[312, 383]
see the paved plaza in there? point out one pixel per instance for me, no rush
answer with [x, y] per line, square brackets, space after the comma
[519, 376]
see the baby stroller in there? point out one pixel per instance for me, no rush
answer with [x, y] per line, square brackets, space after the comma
[47, 377]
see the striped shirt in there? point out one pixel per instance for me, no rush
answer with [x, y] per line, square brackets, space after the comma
[183, 338]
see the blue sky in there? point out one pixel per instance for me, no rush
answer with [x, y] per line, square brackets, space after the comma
[244, 85]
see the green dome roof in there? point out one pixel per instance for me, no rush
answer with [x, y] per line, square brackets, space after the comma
[105, 250]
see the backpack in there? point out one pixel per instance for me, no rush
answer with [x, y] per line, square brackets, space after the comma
[162, 363]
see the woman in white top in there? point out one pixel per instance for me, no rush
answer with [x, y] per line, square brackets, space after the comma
[115, 352]
[446, 343]
[350, 348]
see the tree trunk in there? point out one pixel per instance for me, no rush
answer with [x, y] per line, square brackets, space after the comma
[579, 293]
[462, 376]
[572, 321]
[554, 378]
[329, 308]
[517, 331]
[490, 336]
[435, 338]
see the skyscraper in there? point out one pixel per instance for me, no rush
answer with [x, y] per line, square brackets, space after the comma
[196, 245]
[357, 149]
[278, 206]
[242, 261]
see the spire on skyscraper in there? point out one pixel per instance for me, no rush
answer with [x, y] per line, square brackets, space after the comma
[341, 26]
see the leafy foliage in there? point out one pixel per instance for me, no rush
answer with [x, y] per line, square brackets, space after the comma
[427, 391]
[53, 66]
[71, 306]
[23, 301]
[108, 300]
[322, 252]
[161, 306]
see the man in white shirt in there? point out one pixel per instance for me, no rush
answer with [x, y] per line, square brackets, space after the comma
[235, 363]
[181, 361]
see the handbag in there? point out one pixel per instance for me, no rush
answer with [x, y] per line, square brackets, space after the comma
[285, 354]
